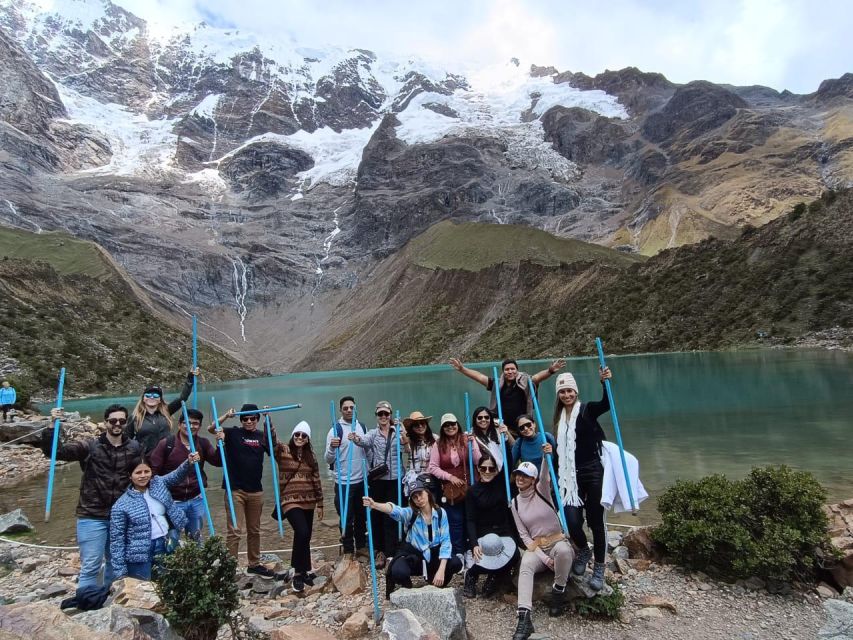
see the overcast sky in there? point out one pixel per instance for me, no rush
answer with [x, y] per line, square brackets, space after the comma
[785, 44]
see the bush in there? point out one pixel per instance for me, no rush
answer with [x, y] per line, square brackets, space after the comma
[770, 524]
[602, 606]
[198, 586]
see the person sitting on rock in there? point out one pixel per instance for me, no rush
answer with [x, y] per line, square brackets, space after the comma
[170, 453]
[151, 420]
[487, 514]
[140, 519]
[426, 544]
[104, 461]
[514, 387]
[8, 396]
[546, 546]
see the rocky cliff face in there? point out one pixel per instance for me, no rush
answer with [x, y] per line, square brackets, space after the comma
[256, 182]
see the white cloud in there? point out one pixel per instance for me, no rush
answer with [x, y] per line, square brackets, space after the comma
[791, 44]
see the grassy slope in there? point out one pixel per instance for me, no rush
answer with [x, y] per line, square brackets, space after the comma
[64, 304]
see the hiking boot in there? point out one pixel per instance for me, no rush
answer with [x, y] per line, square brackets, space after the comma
[555, 603]
[490, 585]
[261, 570]
[581, 561]
[308, 579]
[596, 582]
[524, 629]
[469, 590]
[298, 583]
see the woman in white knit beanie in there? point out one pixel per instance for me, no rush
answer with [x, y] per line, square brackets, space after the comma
[581, 474]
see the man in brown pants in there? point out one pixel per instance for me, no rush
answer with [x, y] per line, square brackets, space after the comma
[245, 447]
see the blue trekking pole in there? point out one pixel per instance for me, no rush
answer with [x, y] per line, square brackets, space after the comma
[195, 363]
[376, 614]
[616, 427]
[198, 470]
[470, 444]
[218, 428]
[274, 476]
[337, 457]
[549, 458]
[399, 475]
[501, 434]
[345, 510]
[54, 446]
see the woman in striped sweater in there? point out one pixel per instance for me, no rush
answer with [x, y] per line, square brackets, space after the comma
[301, 497]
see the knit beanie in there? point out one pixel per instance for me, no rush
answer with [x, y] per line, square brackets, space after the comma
[566, 381]
[302, 427]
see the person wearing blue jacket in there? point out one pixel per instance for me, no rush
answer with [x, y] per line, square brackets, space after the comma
[528, 446]
[8, 396]
[140, 519]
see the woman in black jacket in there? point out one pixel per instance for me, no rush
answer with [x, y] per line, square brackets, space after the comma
[151, 419]
[487, 511]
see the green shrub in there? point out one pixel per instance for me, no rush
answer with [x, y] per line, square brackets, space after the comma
[198, 586]
[602, 606]
[771, 524]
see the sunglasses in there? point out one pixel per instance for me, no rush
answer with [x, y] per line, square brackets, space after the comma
[420, 424]
[488, 469]
[525, 426]
[117, 421]
[248, 418]
[484, 417]
[449, 425]
[383, 414]
[300, 436]
[151, 396]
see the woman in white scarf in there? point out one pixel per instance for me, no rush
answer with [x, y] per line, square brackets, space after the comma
[581, 474]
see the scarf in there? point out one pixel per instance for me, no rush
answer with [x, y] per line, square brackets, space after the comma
[568, 480]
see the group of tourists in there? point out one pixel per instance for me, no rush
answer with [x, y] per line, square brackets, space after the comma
[457, 513]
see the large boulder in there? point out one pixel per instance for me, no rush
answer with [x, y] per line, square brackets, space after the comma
[43, 621]
[839, 621]
[14, 522]
[441, 609]
[132, 624]
[641, 545]
[134, 594]
[841, 535]
[402, 624]
[300, 632]
[349, 577]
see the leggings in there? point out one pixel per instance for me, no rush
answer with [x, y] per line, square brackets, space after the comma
[590, 478]
[302, 522]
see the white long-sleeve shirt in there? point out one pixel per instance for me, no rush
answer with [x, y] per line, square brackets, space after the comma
[346, 449]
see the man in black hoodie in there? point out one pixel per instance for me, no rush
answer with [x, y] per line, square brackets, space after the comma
[104, 461]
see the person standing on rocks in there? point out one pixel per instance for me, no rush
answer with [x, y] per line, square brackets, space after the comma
[170, 453]
[542, 535]
[104, 461]
[245, 447]
[581, 472]
[140, 518]
[151, 420]
[354, 530]
[8, 397]
[514, 387]
[426, 548]
[378, 445]
[301, 498]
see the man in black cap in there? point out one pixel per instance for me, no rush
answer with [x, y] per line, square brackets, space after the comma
[245, 447]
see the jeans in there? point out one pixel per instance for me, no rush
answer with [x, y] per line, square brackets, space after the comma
[142, 570]
[590, 479]
[354, 531]
[302, 523]
[194, 510]
[248, 506]
[93, 538]
[456, 523]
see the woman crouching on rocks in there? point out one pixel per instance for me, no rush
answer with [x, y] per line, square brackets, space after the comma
[301, 498]
[142, 517]
[546, 545]
[426, 543]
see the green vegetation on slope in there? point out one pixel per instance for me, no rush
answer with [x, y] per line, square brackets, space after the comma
[64, 304]
[475, 246]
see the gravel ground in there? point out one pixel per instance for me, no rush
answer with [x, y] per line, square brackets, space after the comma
[705, 610]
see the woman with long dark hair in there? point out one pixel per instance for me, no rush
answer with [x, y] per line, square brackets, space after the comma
[486, 431]
[418, 439]
[581, 475]
[448, 462]
[301, 498]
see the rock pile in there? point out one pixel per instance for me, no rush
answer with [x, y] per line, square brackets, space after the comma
[841, 534]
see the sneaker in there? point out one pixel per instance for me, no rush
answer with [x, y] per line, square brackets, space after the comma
[298, 583]
[308, 579]
[581, 561]
[261, 570]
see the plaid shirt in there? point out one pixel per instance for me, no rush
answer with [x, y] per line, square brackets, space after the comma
[419, 535]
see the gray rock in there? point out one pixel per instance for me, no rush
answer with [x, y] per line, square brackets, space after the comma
[53, 591]
[442, 609]
[131, 623]
[614, 539]
[754, 583]
[578, 587]
[839, 621]
[14, 522]
[649, 613]
[402, 624]
[620, 553]
[155, 625]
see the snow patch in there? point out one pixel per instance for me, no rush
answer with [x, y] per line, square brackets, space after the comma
[207, 107]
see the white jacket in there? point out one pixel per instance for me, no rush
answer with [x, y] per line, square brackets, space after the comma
[614, 479]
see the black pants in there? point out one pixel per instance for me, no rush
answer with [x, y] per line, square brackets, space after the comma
[405, 566]
[590, 479]
[302, 523]
[354, 531]
[6, 408]
[384, 527]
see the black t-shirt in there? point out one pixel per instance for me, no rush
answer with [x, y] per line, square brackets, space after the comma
[244, 451]
[513, 402]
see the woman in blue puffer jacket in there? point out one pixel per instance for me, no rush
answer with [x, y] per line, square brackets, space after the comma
[140, 519]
